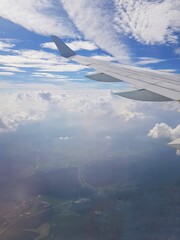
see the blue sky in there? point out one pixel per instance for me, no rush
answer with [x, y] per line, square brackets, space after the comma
[143, 33]
[36, 81]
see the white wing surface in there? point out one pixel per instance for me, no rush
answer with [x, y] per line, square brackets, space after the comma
[150, 85]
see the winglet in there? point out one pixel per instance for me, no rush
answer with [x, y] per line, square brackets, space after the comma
[63, 48]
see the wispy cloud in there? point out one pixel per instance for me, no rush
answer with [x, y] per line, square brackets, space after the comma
[148, 60]
[149, 22]
[5, 46]
[38, 16]
[100, 31]
[48, 75]
[11, 69]
[104, 57]
[75, 45]
[43, 63]
[78, 45]
[6, 73]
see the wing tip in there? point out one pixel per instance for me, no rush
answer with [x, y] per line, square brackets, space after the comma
[65, 51]
[175, 143]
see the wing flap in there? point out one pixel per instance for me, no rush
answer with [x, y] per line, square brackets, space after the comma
[143, 95]
[101, 77]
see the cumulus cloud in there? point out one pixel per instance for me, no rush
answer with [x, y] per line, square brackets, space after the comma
[99, 31]
[94, 113]
[149, 22]
[162, 130]
[129, 115]
[38, 16]
[18, 109]
[11, 122]
[45, 95]
[26, 106]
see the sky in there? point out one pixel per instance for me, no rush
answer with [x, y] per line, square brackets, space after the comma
[38, 86]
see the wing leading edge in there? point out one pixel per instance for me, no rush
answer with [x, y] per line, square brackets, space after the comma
[151, 85]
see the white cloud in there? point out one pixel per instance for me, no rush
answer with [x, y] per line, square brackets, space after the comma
[6, 73]
[104, 57]
[11, 122]
[42, 62]
[68, 67]
[75, 45]
[12, 69]
[148, 60]
[26, 106]
[171, 106]
[18, 109]
[132, 115]
[49, 75]
[94, 20]
[66, 138]
[149, 22]
[49, 45]
[93, 111]
[162, 130]
[78, 45]
[5, 46]
[38, 16]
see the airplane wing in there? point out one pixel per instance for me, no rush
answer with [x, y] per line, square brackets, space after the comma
[175, 143]
[150, 85]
